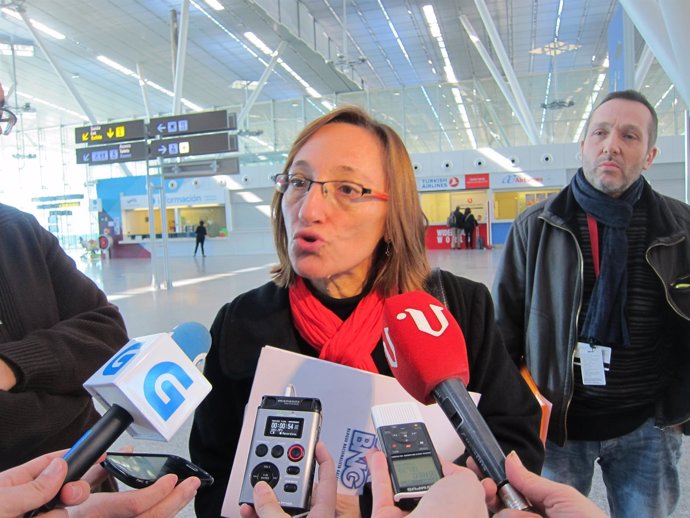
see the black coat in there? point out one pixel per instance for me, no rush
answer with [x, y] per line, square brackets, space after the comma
[262, 316]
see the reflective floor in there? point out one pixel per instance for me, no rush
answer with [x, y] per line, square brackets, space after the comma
[200, 286]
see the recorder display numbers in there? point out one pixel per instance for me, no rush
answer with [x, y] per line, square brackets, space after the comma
[284, 427]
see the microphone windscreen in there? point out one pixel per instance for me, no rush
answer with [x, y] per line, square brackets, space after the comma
[193, 338]
[424, 344]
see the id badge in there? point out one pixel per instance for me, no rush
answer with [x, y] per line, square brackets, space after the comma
[594, 361]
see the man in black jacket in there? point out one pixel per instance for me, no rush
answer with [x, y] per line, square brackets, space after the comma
[592, 293]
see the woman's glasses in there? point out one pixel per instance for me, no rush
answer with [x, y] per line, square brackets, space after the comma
[296, 186]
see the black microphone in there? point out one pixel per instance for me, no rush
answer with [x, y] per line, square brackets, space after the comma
[431, 364]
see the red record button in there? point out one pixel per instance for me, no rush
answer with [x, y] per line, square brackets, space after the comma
[295, 453]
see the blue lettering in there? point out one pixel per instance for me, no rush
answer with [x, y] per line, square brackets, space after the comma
[356, 471]
[164, 386]
[122, 358]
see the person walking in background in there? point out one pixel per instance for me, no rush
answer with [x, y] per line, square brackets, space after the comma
[469, 224]
[593, 293]
[200, 238]
[455, 223]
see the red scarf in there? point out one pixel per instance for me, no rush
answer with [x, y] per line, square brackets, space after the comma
[348, 343]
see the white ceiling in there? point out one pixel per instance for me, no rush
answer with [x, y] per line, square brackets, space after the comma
[138, 32]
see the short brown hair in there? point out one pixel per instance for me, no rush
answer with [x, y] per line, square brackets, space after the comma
[406, 266]
[635, 96]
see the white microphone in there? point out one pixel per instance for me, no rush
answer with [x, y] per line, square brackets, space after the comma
[150, 387]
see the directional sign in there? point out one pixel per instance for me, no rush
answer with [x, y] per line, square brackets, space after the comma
[196, 145]
[60, 197]
[204, 122]
[57, 205]
[111, 132]
[113, 153]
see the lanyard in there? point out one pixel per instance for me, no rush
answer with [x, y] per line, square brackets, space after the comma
[594, 240]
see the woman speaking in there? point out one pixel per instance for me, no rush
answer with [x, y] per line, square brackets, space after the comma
[349, 232]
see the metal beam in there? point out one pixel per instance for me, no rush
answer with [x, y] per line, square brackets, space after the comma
[663, 25]
[262, 82]
[495, 73]
[643, 66]
[144, 92]
[492, 112]
[181, 56]
[520, 101]
[63, 77]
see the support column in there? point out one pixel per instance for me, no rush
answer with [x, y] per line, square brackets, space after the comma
[621, 34]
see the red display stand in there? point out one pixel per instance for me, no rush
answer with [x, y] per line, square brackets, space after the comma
[439, 237]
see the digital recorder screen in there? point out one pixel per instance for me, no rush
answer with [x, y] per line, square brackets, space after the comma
[284, 427]
[415, 471]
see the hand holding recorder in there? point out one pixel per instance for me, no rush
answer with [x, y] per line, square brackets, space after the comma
[38, 481]
[282, 451]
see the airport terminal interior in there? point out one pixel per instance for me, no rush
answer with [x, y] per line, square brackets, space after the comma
[136, 119]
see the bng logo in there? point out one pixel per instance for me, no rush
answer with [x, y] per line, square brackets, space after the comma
[352, 466]
[164, 388]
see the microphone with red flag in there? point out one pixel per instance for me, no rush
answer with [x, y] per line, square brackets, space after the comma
[426, 351]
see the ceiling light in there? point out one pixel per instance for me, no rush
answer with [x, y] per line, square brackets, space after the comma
[11, 12]
[435, 31]
[394, 31]
[47, 103]
[47, 30]
[244, 85]
[464, 117]
[258, 43]
[130, 73]
[215, 5]
[555, 48]
[668, 91]
[115, 65]
[590, 104]
[38, 25]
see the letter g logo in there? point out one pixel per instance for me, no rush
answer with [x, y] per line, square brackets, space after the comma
[121, 359]
[164, 386]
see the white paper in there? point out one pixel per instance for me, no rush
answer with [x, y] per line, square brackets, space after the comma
[592, 364]
[346, 395]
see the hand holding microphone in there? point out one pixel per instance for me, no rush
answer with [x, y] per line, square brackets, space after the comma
[151, 386]
[426, 351]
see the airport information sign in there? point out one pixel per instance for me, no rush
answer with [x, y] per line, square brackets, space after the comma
[113, 153]
[112, 132]
[203, 122]
[194, 145]
[194, 134]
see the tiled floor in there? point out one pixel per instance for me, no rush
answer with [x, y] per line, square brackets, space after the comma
[202, 285]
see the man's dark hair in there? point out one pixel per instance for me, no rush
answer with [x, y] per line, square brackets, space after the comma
[635, 96]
